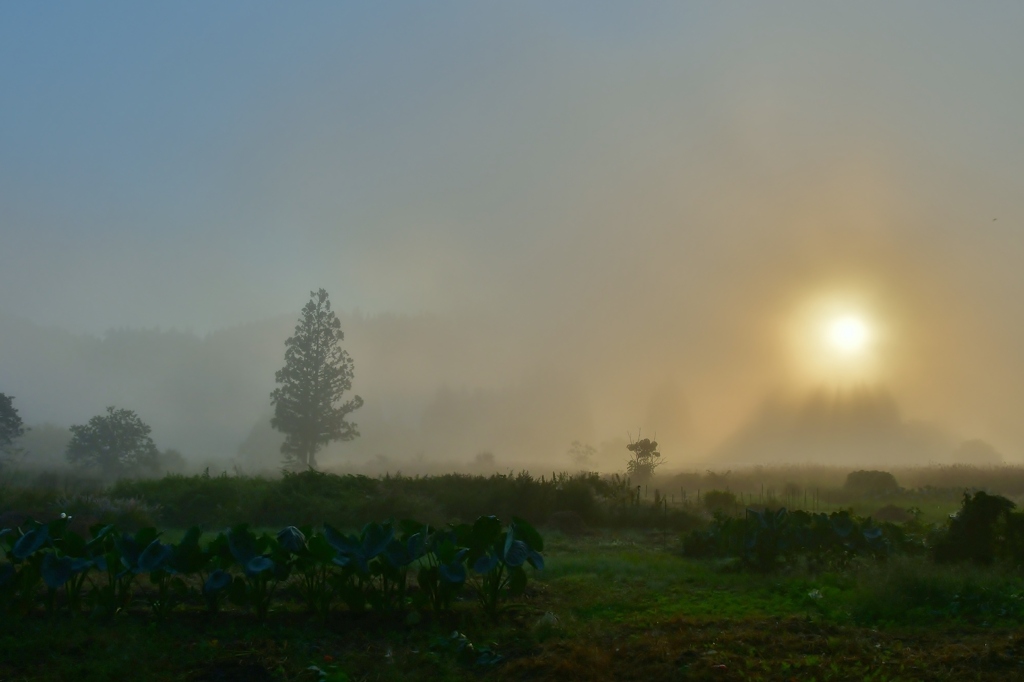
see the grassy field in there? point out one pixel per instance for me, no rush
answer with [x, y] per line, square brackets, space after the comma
[609, 605]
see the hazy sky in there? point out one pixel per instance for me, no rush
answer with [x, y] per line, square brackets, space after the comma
[642, 194]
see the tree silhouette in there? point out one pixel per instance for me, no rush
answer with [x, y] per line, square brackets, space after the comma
[316, 374]
[645, 459]
[11, 426]
[117, 442]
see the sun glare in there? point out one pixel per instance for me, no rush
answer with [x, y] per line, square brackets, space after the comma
[848, 334]
[838, 339]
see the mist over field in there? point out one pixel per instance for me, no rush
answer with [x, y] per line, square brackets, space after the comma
[539, 224]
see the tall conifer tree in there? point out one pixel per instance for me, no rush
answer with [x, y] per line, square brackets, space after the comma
[308, 405]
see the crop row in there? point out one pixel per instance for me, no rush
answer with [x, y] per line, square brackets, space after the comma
[368, 570]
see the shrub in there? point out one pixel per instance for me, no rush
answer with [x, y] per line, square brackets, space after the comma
[870, 483]
[973, 532]
[720, 501]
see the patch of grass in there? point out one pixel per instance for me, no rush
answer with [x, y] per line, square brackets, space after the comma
[913, 590]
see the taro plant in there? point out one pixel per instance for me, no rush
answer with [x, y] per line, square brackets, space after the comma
[499, 558]
[218, 580]
[119, 562]
[20, 578]
[765, 538]
[67, 565]
[165, 565]
[442, 571]
[312, 561]
[264, 565]
[359, 584]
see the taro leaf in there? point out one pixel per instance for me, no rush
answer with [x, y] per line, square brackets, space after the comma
[146, 535]
[154, 557]
[509, 537]
[216, 581]
[485, 563]
[516, 553]
[461, 534]
[486, 530]
[55, 571]
[340, 542]
[375, 539]
[242, 543]
[5, 532]
[535, 559]
[30, 542]
[257, 565]
[342, 560]
[80, 565]
[416, 545]
[454, 572]
[131, 547]
[528, 534]
[292, 539]
[320, 549]
[99, 534]
[397, 554]
[188, 555]
[409, 527]
[73, 544]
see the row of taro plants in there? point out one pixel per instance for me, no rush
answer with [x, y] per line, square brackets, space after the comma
[368, 570]
[765, 539]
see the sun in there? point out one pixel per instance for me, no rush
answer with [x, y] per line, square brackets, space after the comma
[848, 334]
[838, 338]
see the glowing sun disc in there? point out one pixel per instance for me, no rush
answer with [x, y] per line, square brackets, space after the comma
[848, 334]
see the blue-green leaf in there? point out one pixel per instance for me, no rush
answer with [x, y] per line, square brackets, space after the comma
[217, 581]
[292, 539]
[257, 565]
[30, 542]
[485, 563]
[55, 571]
[242, 544]
[154, 557]
[452, 573]
[516, 553]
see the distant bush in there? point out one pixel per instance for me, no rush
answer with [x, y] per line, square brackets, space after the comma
[870, 483]
[720, 501]
[310, 496]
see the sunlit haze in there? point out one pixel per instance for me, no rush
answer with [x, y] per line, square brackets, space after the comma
[848, 334]
[761, 232]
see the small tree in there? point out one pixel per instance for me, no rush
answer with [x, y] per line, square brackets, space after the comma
[645, 459]
[11, 428]
[582, 453]
[316, 374]
[117, 442]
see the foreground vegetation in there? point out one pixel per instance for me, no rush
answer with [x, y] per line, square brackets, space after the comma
[631, 589]
[613, 605]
